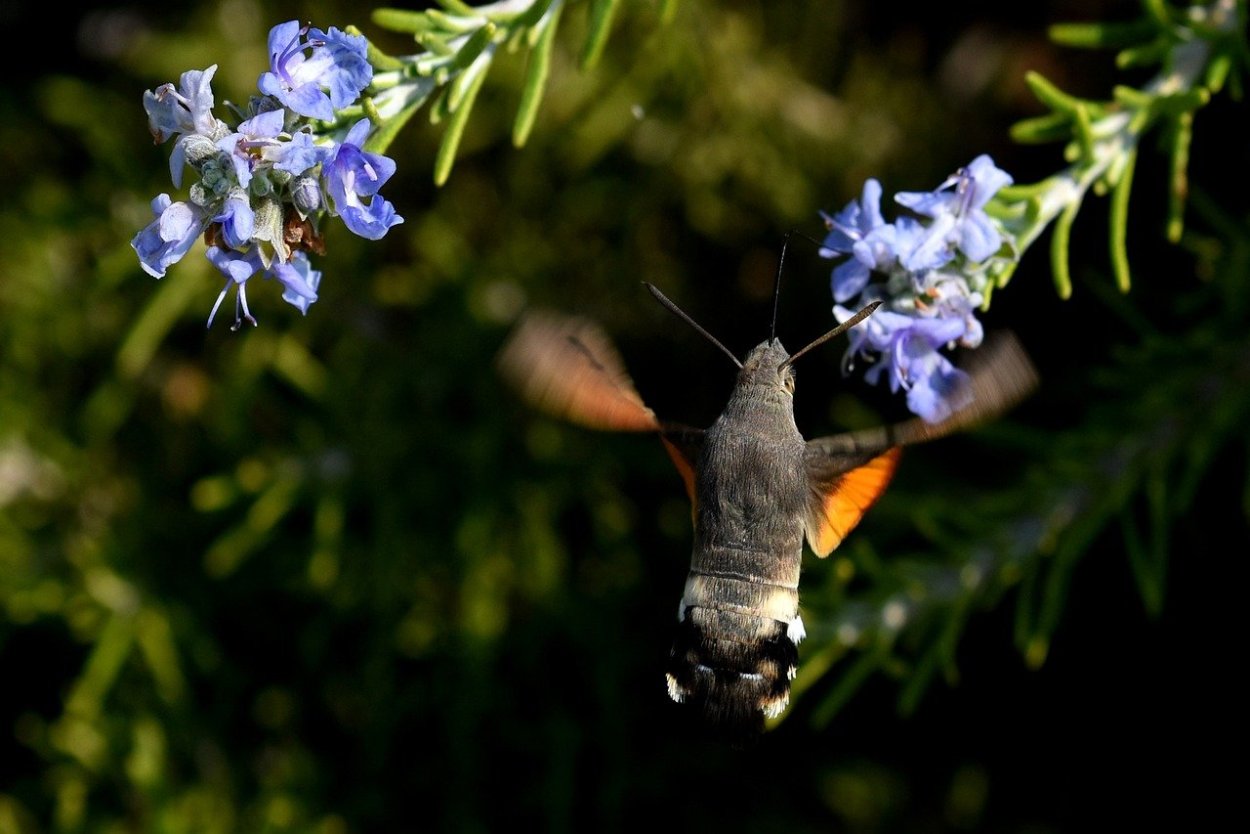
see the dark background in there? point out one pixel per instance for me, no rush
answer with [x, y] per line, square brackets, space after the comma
[329, 575]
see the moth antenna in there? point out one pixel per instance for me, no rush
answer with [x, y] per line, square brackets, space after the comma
[837, 331]
[677, 311]
[772, 331]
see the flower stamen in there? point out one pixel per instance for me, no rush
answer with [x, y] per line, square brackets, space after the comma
[292, 49]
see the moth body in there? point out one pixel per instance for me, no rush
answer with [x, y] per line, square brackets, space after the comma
[735, 651]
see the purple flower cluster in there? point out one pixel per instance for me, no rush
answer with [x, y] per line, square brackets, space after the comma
[929, 270]
[265, 181]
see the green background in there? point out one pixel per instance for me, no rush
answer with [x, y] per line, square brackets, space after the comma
[329, 575]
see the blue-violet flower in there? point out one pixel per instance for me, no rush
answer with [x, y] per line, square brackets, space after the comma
[265, 180]
[353, 173]
[930, 272]
[335, 61]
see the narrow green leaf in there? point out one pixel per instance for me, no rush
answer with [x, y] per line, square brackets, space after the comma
[1218, 69]
[230, 549]
[455, 23]
[377, 59]
[145, 336]
[948, 641]
[108, 655]
[1052, 127]
[1119, 222]
[1196, 459]
[1158, 9]
[446, 155]
[432, 65]
[1036, 651]
[1178, 180]
[917, 682]
[1005, 211]
[1100, 35]
[1075, 541]
[351, 114]
[1002, 275]
[668, 8]
[601, 14]
[470, 77]
[1132, 97]
[940, 655]
[1235, 88]
[1083, 132]
[1055, 594]
[1033, 208]
[536, 71]
[533, 14]
[1140, 121]
[439, 109]
[535, 81]
[456, 7]
[1186, 102]
[473, 47]
[402, 20]
[1138, 558]
[155, 639]
[1024, 624]
[1050, 95]
[1081, 35]
[1021, 191]
[436, 44]
[988, 293]
[1060, 237]
[515, 38]
[1145, 55]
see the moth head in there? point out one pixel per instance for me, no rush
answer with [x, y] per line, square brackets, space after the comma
[768, 365]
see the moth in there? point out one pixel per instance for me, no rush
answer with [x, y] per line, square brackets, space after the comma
[758, 491]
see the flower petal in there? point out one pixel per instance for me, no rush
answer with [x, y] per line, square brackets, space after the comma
[978, 237]
[849, 279]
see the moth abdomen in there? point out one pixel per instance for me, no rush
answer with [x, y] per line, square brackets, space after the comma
[734, 669]
[735, 651]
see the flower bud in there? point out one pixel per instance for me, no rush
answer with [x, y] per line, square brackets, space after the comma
[198, 150]
[261, 185]
[306, 194]
[211, 174]
[200, 196]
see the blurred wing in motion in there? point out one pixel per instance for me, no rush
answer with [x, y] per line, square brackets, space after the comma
[568, 368]
[848, 472]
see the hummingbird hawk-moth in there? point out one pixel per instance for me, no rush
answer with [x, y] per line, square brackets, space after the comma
[758, 491]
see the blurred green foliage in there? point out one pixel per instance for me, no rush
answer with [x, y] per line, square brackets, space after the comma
[328, 576]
